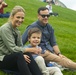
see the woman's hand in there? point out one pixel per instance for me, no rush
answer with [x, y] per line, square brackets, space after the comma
[34, 50]
[27, 58]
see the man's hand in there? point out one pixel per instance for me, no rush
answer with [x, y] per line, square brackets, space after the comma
[46, 53]
[62, 56]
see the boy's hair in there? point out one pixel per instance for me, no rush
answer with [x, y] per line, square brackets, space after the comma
[33, 30]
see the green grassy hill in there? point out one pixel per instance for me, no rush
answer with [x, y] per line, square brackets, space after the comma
[64, 24]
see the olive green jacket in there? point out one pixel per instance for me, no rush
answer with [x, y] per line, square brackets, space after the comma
[10, 40]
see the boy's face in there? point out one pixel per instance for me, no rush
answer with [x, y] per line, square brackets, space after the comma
[35, 39]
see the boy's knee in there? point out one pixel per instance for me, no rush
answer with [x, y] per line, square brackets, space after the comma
[39, 59]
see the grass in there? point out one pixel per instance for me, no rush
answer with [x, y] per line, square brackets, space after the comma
[3, 73]
[64, 25]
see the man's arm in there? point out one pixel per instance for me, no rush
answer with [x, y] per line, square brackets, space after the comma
[56, 50]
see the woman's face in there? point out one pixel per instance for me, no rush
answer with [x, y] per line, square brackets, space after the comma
[18, 19]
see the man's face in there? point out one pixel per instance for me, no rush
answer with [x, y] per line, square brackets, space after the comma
[43, 16]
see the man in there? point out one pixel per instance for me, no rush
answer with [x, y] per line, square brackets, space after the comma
[48, 43]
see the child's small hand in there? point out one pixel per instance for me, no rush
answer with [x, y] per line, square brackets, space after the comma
[40, 50]
[36, 50]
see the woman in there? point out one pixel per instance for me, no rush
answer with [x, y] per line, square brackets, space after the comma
[12, 55]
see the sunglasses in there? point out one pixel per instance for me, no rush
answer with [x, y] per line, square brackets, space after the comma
[43, 16]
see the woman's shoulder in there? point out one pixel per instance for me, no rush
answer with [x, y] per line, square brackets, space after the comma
[5, 26]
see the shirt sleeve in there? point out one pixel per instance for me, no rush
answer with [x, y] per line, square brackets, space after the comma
[52, 38]
[9, 41]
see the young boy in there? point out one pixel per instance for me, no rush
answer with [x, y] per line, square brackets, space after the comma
[34, 38]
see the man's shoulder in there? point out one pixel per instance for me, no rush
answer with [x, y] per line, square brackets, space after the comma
[34, 24]
[49, 25]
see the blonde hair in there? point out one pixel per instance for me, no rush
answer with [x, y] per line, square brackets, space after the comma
[15, 10]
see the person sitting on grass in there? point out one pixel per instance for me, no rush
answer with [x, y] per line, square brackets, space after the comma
[13, 56]
[2, 6]
[51, 51]
[34, 38]
[49, 6]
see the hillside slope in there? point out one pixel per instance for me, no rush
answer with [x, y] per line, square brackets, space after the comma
[64, 24]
